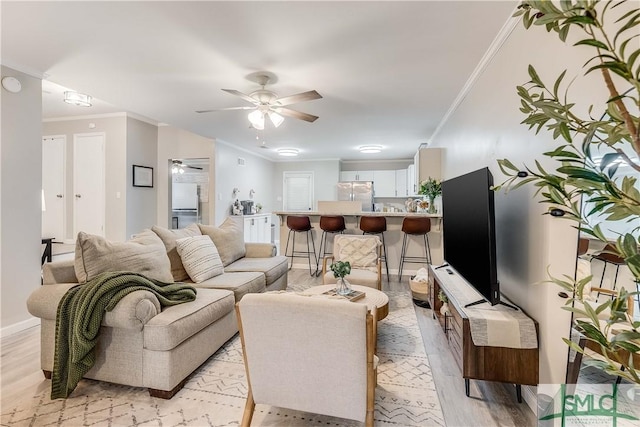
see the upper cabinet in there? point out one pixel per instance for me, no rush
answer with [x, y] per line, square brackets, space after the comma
[356, 176]
[384, 183]
[427, 162]
[401, 183]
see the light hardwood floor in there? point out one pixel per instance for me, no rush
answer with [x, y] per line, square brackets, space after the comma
[490, 404]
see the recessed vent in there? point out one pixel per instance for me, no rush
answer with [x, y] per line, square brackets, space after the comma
[241, 161]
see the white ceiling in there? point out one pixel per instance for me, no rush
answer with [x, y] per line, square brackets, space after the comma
[387, 71]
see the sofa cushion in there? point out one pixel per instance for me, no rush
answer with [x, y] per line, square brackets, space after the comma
[272, 267]
[357, 277]
[144, 254]
[169, 238]
[360, 251]
[240, 283]
[228, 238]
[200, 257]
[179, 322]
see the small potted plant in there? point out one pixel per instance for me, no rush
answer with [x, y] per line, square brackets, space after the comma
[444, 308]
[258, 207]
[341, 269]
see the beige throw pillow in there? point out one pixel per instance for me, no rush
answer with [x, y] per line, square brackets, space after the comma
[144, 254]
[169, 238]
[228, 238]
[360, 251]
[200, 258]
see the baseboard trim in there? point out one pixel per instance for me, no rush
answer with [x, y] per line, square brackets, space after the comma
[13, 329]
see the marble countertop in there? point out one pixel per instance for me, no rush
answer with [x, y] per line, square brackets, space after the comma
[385, 214]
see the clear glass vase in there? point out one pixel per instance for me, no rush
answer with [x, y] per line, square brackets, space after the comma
[343, 287]
[432, 206]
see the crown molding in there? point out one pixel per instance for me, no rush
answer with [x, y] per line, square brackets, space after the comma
[244, 150]
[486, 59]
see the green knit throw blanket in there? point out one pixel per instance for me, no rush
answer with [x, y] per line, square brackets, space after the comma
[80, 314]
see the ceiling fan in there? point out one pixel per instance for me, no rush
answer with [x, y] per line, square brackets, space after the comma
[267, 104]
[178, 167]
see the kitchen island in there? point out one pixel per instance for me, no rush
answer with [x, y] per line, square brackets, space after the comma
[392, 237]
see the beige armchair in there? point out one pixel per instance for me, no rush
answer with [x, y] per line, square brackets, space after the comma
[363, 253]
[311, 354]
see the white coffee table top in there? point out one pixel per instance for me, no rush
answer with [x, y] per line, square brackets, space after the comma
[372, 297]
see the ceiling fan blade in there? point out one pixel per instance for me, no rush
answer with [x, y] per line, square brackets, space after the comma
[225, 109]
[299, 97]
[241, 95]
[296, 114]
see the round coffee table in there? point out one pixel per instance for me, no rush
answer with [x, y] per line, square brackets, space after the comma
[372, 297]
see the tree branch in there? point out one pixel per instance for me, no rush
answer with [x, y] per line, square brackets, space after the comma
[628, 120]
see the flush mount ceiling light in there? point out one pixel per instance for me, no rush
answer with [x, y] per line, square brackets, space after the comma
[79, 99]
[370, 149]
[288, 152]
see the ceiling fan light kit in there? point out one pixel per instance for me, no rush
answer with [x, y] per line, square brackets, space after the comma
[79, 99]
[370, 149]
[267, 103]
[288, 152]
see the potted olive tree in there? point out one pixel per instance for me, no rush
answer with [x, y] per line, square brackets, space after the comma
[610, 31]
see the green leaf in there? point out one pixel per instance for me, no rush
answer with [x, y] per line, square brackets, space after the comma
[564, 131]
[607, 159]
[592, 42]
[534, 76]
[580, 20]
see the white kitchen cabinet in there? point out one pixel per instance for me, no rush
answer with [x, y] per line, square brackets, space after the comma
[427, 162]
[257, 228]
[412, 188]
[401, 183]
[356, 176]
[384, 183]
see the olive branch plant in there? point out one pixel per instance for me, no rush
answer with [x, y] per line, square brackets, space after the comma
[611, 31]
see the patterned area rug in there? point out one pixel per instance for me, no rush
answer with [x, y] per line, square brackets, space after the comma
[215, 394]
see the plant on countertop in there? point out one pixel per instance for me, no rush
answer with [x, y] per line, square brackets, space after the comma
[258, 207]
[581, 175]
[341, 269]
[431, 188]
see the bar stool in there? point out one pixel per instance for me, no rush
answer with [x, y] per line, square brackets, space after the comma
[300, 224]
[376, 225]
[609, 258]
[414, 226]
[328, 224]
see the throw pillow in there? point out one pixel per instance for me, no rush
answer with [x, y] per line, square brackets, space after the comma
[169, 238]
[228, 238]
[361, 252]
[144, 254]
[200, 258]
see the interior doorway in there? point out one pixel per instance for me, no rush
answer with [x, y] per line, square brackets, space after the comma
[189, 192]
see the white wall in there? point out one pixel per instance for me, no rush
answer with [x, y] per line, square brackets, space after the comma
[174, 143]
[370, 165]
[142, 143]
[326, 174]
[257, 174]
[20, 200]
[486, 127]
[115, 129]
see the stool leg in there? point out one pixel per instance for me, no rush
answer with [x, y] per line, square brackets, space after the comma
[402, 254]
[312, 273]
[321, 251]
[427, 248]
[615, 279]
[293, 248]
[384, 249]
[286, 249]
[604, 270]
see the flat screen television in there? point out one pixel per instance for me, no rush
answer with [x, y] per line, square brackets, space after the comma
[469, 237]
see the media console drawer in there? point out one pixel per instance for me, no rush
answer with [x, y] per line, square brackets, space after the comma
[510, 365]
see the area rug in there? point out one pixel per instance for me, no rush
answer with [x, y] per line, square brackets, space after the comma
[215, 394]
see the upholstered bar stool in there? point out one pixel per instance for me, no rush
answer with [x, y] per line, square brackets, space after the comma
[376, 225]
[330, 224]
[300, 224]
[414, 226]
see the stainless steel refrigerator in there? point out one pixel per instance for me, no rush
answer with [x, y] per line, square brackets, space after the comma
[361, 191]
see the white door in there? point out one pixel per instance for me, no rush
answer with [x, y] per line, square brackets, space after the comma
[88, 184]
[298, 191]
[53, 190]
